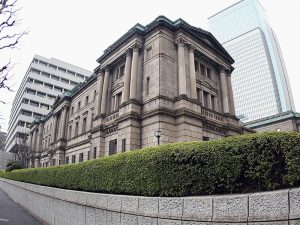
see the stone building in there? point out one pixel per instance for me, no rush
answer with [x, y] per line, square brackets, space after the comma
[286, 121]
[167, 76]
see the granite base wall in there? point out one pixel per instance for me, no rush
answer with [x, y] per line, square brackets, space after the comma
[66, 207]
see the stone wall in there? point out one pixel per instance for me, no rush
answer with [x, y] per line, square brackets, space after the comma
[5, 157]
[59, 206]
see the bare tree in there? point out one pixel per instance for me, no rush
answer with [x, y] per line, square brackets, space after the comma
[9, 37]
[23, 153]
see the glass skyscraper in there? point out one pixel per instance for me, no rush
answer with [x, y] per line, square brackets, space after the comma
[260, 82]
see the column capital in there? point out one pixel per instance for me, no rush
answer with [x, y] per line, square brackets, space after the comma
[136, 47]
[128, 52]
[107, 68]
[224, 70]
[191, 47]
[180, 42]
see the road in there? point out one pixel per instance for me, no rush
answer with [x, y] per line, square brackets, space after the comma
[13, 214]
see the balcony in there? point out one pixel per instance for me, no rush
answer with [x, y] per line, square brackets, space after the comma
[205, 79]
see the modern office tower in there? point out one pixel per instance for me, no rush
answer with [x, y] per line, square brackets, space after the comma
[260, 82]
[44, 80]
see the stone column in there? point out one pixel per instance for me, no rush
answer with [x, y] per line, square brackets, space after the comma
[230, 92]
[40, 137]
[105, 89]
[192, 72]
[209, 101]
[127, 76]
[63, 122]
[181, 67]
[224, 90]
[33, 146]
[54, 128]
[100, 92]
[134, 72]
[216, 104]
[201, 97]
[39, 145]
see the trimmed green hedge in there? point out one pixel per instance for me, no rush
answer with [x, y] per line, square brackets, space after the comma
[256, 162]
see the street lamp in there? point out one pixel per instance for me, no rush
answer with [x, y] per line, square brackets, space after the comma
[157, 134]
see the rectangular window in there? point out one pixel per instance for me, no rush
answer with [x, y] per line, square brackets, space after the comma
[92, 119]
[70, 132]
[80, 76]
[76, 129]
[73, 83]
[53, 162]
[43, 63]
[78, 108]
[148, 53]
[36, 82]
[95, 93]
[58, 88]
[65, 81]
[51, 97]
[113, 147]
[148, 86]
[198, 94]
[71, 72]
[44, 74]
[52, 67]
[208, 73]
[121, 73]
[205, 138]
[37, 115]
[123, 145]
[21, 123]
[205, 99]
[35, 71]
[26, 113]
[67, 160]
[41, 94]
[62, 70]
[88, 155]
[73, 158]
[30, 91]
[95, 153]
[118, 99]
[49, 86]
[213, 102]
[202, 69]
[83, 125]
[80, 157]
[44, 106]
[25, 101]
[86, 100]
[197, 66]
[54, 77]
[72, 110]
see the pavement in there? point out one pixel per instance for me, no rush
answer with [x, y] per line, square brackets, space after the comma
[13, 214]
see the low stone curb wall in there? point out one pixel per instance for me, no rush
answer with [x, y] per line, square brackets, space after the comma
[59, 207]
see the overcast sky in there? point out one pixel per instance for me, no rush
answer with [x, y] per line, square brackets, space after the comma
[78, 31]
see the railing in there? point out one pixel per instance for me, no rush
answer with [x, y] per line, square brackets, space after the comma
[211, 115]
[112, 116]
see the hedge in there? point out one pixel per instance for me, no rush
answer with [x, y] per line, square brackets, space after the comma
[248, 163]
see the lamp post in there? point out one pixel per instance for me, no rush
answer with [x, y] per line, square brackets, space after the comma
[157, 134]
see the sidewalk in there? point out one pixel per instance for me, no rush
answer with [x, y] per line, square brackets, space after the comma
[13, 214]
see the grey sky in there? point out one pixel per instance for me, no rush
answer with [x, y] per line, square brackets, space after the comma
[78, 31]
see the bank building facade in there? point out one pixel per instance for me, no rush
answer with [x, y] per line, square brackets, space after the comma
[167, 77]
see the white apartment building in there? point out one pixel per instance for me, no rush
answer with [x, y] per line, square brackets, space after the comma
[44, 80]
